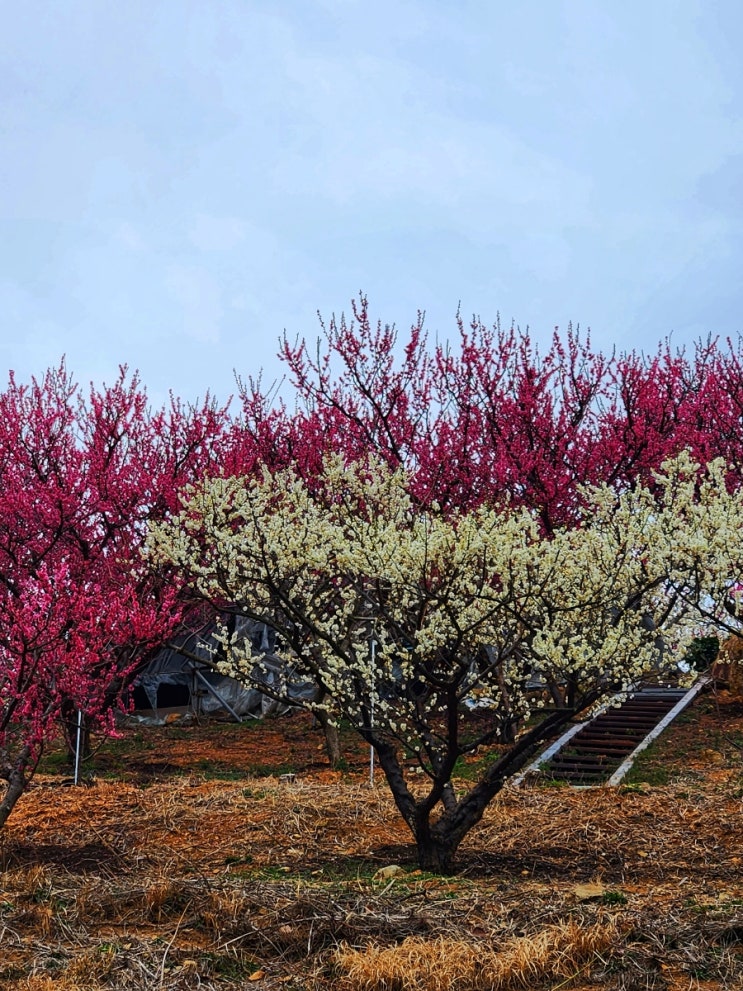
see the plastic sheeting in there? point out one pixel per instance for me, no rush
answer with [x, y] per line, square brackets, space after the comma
[188, 663]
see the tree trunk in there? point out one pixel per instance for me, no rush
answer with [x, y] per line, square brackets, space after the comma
[437, 844]
[332, 738]
[435, 854]
[17, 781]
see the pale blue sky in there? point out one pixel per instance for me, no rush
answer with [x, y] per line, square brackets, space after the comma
[180, 181]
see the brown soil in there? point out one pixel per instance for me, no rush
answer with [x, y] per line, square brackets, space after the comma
[190, 863]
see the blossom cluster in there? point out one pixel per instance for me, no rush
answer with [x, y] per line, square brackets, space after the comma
[458, 605]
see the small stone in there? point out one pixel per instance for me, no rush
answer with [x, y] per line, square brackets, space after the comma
[589, 892]
[386, 872]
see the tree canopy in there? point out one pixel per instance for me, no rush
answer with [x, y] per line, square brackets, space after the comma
[465, 508]
[80, 609]
[406, 619]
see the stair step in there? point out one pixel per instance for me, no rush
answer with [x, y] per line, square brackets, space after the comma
[593, 753]
[596, 746]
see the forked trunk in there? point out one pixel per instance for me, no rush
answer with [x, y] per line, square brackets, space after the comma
[437, 842]
[436, 856]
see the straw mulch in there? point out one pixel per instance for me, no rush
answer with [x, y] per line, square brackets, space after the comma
[182, 882]
[445, 964]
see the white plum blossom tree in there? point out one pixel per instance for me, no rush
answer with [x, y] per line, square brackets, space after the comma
[459, 607]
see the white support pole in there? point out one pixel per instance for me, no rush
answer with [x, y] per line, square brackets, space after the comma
[78, 745]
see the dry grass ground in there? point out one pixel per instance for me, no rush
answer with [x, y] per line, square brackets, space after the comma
[189, 864]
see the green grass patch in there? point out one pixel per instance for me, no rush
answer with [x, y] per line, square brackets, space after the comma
[472, 767]
[218, 771]
[614, 898]
[647, 772]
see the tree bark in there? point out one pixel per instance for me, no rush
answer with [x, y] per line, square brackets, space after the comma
[435, 845]
[435, 856]
[332, 738]
[17, 781]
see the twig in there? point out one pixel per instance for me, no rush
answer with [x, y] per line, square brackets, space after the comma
[170, 943]
[573, 976]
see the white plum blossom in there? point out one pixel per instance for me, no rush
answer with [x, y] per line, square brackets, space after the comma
[458, 605]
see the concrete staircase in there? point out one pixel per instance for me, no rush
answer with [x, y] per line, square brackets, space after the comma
[602, 750]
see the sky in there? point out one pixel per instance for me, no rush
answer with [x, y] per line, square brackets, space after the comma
[183, 182]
